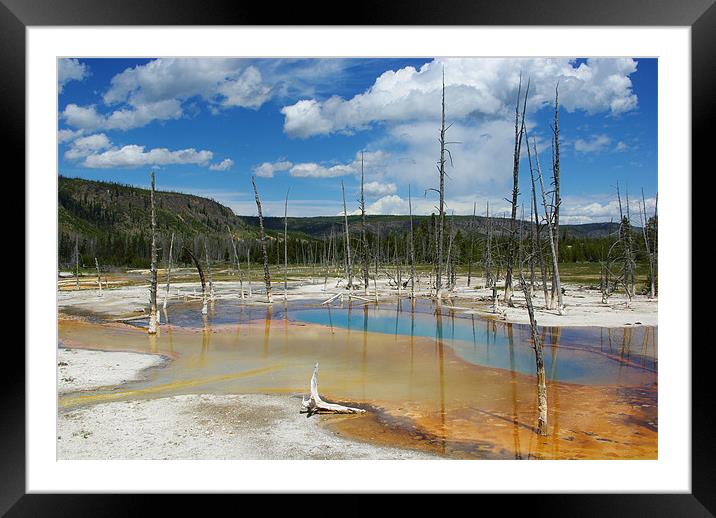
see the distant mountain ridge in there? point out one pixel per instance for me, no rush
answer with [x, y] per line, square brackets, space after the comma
[112, 221]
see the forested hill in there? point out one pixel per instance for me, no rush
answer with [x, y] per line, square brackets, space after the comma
[113, 220]
[320, 226]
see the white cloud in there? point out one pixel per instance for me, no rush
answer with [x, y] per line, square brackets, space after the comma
[476, 88]
[313, 170]
[594, 144]
[67, 135]
[224, 165]
[267, 169]
[373, 163]
[85, 146]
[600, 208]
[132, 156]
[157, 91]
[621, 146]
[70, 69]
[391, 204]
[379, 189]
[82, 117]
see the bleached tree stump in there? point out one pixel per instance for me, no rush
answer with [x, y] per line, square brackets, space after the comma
[315, 405]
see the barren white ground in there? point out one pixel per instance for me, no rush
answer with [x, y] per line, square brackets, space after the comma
[583, 307]
[199, 426]
[203, 426]
[80, 369]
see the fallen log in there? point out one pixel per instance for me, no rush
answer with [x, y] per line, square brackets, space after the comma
[315, 405]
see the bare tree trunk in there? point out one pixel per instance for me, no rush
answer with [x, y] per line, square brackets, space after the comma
[539, 363]
[441, 223]
[519, 130]
[555, 168]
[555, 266]
[364, 241]
[204, 298]
[208, 272]
[315, 405]
[248, 267]
[472, 244]
[153, 267]
[489, 282]
[77, 261]
[412, 246]
[169, 271]
[238, 262]
[536, 236]
[99, 278]
[349, 266]
[642, 215]
[285, 247]
[267, 274]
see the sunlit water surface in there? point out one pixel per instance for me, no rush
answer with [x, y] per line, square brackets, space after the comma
[450, 381]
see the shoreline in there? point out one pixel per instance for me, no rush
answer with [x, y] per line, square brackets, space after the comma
[191, 426]
[583, 306]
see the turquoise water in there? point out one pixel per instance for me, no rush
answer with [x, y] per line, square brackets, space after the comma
[587, 355]
[578, 355]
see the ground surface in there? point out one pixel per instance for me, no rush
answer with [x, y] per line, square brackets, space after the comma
[248, 426]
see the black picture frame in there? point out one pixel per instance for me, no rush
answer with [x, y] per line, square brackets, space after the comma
[700, 15]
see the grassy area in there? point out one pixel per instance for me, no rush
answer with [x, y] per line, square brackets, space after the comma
[583, 274]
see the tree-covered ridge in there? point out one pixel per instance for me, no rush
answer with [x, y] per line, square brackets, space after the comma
[111, 221]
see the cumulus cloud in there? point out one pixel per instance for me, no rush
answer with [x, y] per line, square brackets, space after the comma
[158, 90]
[70, 69]
[97, 151]
[379, 189]
[482, 88]
[621, 146]
[598, 208]
[85, 146]
[391, 204]
[67, 135]
[267, 169]
[132, 156]
[224, 165]
[593, 144]
[373, 163]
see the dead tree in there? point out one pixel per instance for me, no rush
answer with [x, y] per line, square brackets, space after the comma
[536, 344]
[77, 261]
[555, 265]
[472, 245]
[649, 255]
[556, 181]
[519, 131]
[238, 262]
[364, 241]
[262, 235]
[208, 272]
[315, 405]
[412, 246]
[349, 266]
[153, 266]
[285, 246]
[536, 239]
[489, 280]
[169, 272]
[248, 267]
[99, 279]
[204, 298]
[441, 208]
[539, 363]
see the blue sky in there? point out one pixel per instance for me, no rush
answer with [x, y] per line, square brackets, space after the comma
[206, 125]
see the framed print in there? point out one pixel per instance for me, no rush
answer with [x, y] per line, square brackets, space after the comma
[406, 257]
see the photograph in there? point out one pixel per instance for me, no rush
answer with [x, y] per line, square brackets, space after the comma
[347, 258]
